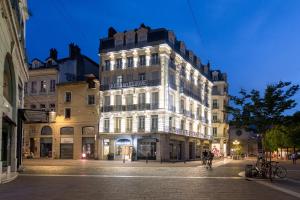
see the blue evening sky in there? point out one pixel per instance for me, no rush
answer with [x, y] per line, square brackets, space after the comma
[255, 42]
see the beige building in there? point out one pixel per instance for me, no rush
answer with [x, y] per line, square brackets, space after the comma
[155, 97]
[67, 90]
[220, 126]
[13, 75]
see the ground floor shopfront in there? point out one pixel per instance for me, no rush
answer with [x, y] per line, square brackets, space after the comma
[66, 142]
[159, 146]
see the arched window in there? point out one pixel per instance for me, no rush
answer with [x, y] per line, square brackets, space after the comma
[46, 130]
[88, 130]
[8, 80]
[67, 131]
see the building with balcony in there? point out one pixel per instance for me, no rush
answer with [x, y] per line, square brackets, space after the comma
[155, 97]
[13, 75]
[220, 100]
[67, 89]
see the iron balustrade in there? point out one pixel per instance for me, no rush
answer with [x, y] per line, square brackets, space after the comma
[139, 83]
[118, 108]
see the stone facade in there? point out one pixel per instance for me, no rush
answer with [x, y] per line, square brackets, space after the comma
[13, 75]
[155, 98]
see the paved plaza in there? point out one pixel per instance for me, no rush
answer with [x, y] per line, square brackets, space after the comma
[81, 179]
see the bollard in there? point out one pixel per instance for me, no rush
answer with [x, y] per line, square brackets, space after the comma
[123, 160]
[147, 160]
[161, 160]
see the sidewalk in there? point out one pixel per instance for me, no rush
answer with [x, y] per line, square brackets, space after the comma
[7, 177]
[111, 163]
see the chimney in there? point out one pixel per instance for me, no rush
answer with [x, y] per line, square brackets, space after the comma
[111, 32]
[74, 50]
[53, 53]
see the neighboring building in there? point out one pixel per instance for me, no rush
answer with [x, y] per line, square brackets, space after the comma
[155, 97]
[13, 75]
[68, 89]
[220, 124]
[247, 141]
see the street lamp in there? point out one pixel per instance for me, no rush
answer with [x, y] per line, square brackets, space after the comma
[236, 144]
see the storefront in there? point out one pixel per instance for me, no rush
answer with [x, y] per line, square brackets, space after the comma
[6, 144]
[146, 148]
[46, 147]
[67, 143]
[88, 147]
[176, 150]
[124, 149]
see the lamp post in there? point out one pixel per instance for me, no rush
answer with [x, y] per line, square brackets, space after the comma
[236, 144]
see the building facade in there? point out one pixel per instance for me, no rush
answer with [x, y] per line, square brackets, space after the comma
[67, 89]
[220, 100]
[13, 75]
[155, 97]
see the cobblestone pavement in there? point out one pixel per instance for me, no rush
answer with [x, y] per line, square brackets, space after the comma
[96, 180]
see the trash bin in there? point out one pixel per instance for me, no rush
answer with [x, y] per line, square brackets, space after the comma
[248, 171]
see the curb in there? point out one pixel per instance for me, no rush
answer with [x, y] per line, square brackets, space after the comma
[12, 177]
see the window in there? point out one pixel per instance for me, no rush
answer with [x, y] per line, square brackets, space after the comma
[154, 59]
[141, 123]
[142, 60]
[215, 118]
[26, 88]
[205, 130]
[199, 112]
[142, 98]
[119, 80]
[129, 61]
[118, 100]
[182, 125]
[119, 63]
[67, 131]
[107, 65]
[106, 125]
[67, 113]
[46, 130]
[154, 123]
[215, 131]
[91, 99]
[52, 85]
[52, 106]
[191, 127]
[142, 76]
[33, 87]
[32, 106]
[88, 130]
[43, 87]
[182, 107]
[105, 80]
[205, 116]
[154, 100]
[171, 103]
[68, 97]
[129, 124]
[106, 101]
[129, 99]
[42, 106]
[8, 86]
[171, 123]
[215, 104]
[118, 124]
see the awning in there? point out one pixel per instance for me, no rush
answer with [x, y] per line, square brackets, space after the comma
[34, 116]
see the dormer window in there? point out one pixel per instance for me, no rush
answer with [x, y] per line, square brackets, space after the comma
[130, 37]
[119, 37]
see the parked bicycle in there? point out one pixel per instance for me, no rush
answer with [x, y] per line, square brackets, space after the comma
[268, 169]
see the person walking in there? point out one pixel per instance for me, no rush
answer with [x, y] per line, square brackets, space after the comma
[210, 158]
[294, 158]
[204, 157]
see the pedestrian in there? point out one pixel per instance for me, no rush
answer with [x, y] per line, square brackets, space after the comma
[204, 157]
[210, 158]
[294, 158]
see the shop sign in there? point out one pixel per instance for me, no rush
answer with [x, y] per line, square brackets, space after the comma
[67, 140]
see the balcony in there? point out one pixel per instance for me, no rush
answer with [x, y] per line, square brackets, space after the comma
[154, 61]
[177, 131]
[190, 93]
[139, 83]
[119, 108]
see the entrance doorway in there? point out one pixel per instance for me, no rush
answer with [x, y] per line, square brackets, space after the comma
[123, 149]
[46, 147]
[146, 149]
[66, 151]
[6, 145]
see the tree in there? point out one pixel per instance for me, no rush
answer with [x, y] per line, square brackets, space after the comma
[260, 113]
[293, 124]
[275, 138]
